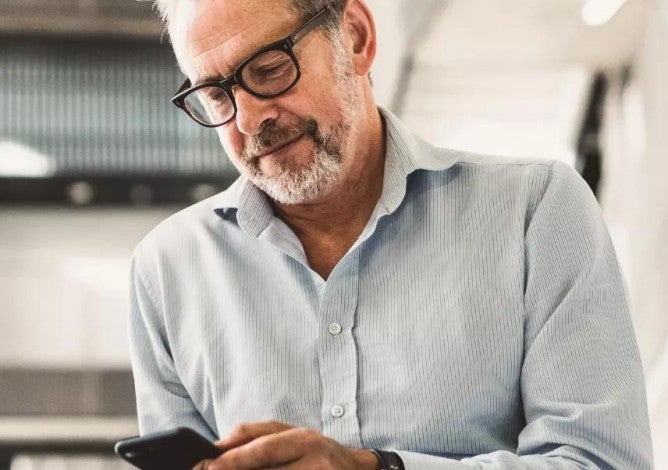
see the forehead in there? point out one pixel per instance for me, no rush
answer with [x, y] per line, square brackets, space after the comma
[215, 35]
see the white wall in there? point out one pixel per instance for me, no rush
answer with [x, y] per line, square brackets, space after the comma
[635, 199]
[392, 33]
[64, 284]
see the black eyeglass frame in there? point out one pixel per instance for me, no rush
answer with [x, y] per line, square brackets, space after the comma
[285, 45]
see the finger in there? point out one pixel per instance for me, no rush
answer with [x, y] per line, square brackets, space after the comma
[273, 450]
[204, 465]
[248, 432]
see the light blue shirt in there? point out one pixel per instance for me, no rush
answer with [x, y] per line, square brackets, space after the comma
[480, 320]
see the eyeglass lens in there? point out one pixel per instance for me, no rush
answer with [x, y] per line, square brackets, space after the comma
[267, 75]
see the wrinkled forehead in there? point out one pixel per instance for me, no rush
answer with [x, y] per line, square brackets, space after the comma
[219, 34]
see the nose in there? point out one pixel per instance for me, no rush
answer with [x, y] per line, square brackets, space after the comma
[253, 112]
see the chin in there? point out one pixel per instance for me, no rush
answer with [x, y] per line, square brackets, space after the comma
[300, 184]
[304, 189]
[292, 195]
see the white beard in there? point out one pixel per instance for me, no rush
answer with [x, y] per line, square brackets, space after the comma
[291, 187]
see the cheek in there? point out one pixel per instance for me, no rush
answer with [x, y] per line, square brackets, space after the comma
[325, 102]
[232, 142]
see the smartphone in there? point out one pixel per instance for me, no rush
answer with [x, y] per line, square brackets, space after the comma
[178, 449]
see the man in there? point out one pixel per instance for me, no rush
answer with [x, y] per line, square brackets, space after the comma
[359, 299]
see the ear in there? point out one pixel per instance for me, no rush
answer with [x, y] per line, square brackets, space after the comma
[359, 26]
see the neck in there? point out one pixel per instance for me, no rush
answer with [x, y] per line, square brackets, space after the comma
[345, 209]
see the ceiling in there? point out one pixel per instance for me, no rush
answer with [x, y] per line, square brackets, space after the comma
[493, 76]
[530, 33]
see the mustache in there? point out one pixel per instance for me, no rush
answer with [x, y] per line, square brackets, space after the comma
[272, 135]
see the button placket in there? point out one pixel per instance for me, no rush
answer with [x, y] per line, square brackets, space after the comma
[338, 354]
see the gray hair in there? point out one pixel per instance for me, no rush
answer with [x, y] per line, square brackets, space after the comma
[305, 8]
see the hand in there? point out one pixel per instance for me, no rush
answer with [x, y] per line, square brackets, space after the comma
[281, 446]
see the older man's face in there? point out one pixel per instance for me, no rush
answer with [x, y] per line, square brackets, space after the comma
[313, 119]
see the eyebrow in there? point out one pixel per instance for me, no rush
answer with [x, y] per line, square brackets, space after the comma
[211, 78]
[219, 78]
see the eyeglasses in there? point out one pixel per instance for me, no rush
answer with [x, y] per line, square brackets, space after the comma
[268, 73]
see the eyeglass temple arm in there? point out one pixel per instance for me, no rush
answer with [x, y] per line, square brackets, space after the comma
[310, 25]
[184, 86]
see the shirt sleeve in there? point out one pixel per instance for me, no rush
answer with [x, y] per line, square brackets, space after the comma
[163, 403]
[582, 383]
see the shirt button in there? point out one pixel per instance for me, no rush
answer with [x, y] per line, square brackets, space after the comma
[335, 329]
[337, 411]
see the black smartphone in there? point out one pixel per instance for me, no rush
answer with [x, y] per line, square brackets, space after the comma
[178, 449]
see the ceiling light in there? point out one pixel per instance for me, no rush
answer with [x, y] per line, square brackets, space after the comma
[599, 12]
[18, 160]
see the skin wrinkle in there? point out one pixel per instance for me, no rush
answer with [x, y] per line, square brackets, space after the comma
[210, 45]
[231, 63]
[222, 62]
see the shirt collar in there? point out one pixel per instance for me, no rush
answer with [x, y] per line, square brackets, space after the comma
[405, 153]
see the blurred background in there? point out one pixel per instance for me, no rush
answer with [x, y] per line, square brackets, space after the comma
[93, 155]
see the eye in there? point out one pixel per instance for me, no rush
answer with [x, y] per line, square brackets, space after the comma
[269, 66]
[212, 94]
[276, 68]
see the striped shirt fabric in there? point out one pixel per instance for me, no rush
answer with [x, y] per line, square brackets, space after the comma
[480, 321]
